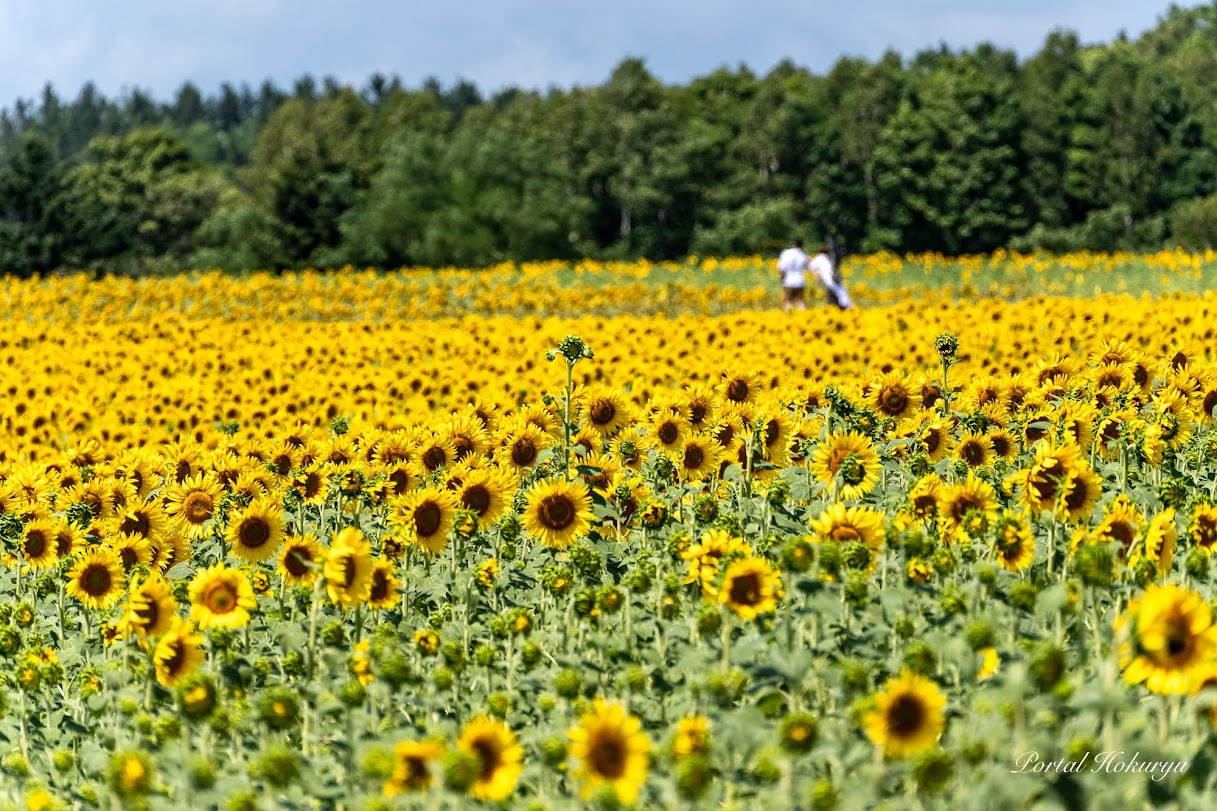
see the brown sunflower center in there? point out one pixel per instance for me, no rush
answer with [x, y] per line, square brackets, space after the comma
[197, 507]
[602, 412]
[380, 586]
[427, 519]
[476, 498]
[96, 580]
[488, 756]
[136, 523]
[905, 716]
[254, 532]
[737, 391]
[523, 452]
[434, 458]
[668, 433]
[296, 561]
[463, 446]
[36, 544]
[607, 755]
[745, 590]
[845, 533]
[893, 401]
[693, 457]
[220, 598]
[556, 512]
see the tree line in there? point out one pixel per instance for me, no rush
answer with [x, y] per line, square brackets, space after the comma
[1106, 147]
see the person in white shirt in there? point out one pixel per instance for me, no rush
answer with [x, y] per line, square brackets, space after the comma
[792, 267]
[826, 271]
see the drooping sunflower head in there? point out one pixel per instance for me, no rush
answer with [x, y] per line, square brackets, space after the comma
[611, 750]
[908, 716]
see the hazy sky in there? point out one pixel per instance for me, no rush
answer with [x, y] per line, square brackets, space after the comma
[159, 44]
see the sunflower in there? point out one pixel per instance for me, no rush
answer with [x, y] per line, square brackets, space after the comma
[841, 524]
[1121, 522]
[1005, 446]
[521, 447]
[1014, 543]
[558, 512]
[132, 550]
[435, 451]
[1167, 638]
[68, 538]
[487, 493]
[894, 396]
[612, 750]
[412, 766]
[382, 592]
[851, 456]
[310, 483]
[972, 496]
[750, 588]
[427, 516]
[629, 448]
[467, 436]
[934, 437]
[606, 410]
[221, 598]
[1042, 481]
[348, 568]
[1158, 543]
[1203, 527]
[255, 532]
[543, 419]
[698, 459]
[692, 736]
[668, 430]
[96, 579]
[1081, 490]
[145, 520]
[498, 755]
[39, 544]
[400, 476]
[150, 608]
[975, 449]
[178, 653]
[704, 559]
[740, 386]
[700, 402]
[925, 496]
[908, 715]
[299, 560]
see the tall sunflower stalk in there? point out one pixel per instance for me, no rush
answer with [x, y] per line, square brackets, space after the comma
[573, 349]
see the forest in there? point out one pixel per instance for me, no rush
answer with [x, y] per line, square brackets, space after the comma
[1104, 147]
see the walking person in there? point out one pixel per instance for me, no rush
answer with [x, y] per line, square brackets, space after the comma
[792, 267]
[824, 266]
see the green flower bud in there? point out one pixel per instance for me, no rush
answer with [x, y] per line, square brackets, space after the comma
[530, 655]
[798, 733]
[978, 634]
[553, 752]
[278, 765]
[824, 795]
[334, 634]
[202, 774]
[352, 693]
[442, 678]
[377, 764]
[1023, 594]
[693, 777]
[709, 620]
[933, 770]
[484, 655]
[920, 657]
[498, 704]
[568, 683]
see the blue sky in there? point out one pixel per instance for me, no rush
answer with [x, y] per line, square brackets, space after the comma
[159, 44]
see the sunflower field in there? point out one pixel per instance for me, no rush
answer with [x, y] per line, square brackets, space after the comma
[611, 536]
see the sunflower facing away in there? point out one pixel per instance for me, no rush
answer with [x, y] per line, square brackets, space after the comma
[612, 750]
[908, 715]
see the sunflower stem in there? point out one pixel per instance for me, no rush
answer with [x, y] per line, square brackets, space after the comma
[312, 626]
